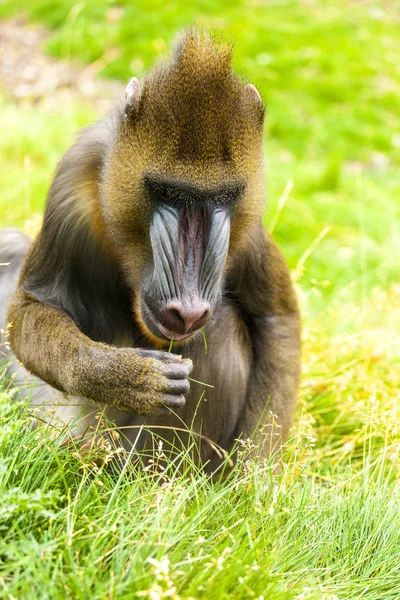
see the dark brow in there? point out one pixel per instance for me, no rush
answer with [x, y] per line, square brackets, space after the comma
[174, 191]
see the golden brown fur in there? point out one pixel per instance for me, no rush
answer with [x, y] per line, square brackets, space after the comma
[196, 128]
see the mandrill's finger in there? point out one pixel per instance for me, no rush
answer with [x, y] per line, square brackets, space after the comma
[180, 371]
[160, 355]
[174, 402]
[176, 386]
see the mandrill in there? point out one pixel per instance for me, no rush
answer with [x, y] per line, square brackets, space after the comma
[152, 241]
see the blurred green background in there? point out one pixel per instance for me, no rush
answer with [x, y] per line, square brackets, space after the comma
[329, 73]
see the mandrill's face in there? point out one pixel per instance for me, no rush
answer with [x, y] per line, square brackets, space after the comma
[182, 188]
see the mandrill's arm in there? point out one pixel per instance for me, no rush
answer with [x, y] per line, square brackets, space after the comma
[71, 298]
[51, 346]
[263, 287]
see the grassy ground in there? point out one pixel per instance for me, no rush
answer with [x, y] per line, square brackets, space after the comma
[327, 525]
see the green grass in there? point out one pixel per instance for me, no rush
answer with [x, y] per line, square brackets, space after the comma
[325, 526]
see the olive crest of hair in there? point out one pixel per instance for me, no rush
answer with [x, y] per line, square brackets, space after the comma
[199, 81]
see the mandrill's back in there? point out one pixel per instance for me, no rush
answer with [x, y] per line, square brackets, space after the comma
[14, 245]
[13, 248]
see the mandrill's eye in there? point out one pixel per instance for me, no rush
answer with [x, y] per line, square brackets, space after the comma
[161, 192]
[178, 193]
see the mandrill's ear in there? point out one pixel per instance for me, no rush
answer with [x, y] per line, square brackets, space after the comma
[251, 89]
[133, 93]
[255, 97]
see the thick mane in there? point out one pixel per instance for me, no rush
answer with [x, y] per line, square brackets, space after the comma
[196, 103]
[200, 57]
[200, 68]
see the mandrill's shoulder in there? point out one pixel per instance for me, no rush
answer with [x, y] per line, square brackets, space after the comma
[260, 278]
[84, 160]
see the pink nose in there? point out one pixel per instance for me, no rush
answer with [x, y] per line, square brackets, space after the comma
[179, 318]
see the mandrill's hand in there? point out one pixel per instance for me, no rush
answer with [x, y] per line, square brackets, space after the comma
[143, 382]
